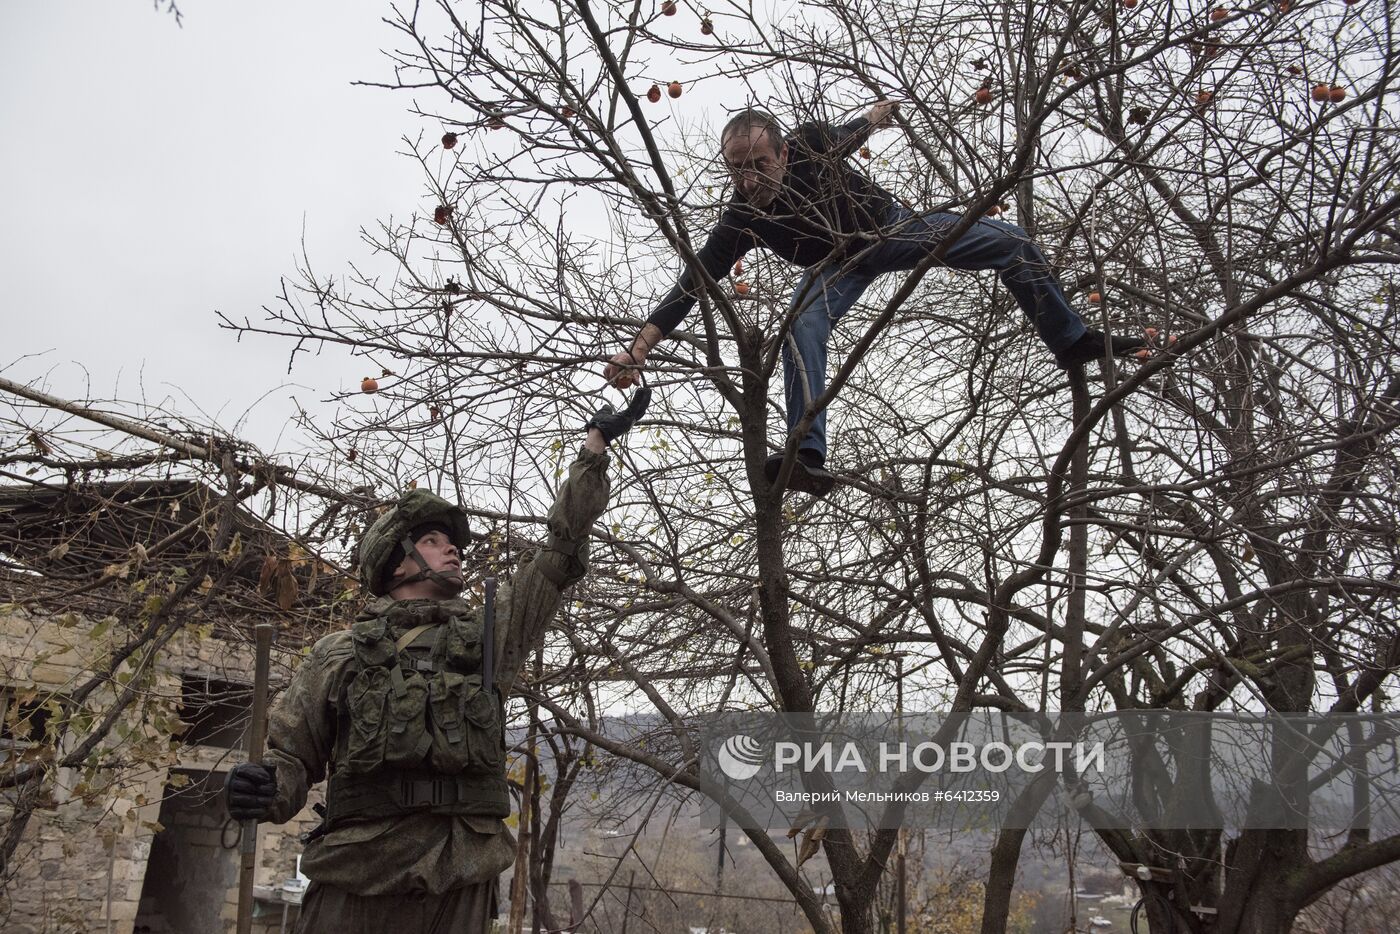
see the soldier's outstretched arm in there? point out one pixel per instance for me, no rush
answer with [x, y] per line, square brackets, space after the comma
[528, 605]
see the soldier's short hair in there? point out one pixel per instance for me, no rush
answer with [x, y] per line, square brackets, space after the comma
[750, 118]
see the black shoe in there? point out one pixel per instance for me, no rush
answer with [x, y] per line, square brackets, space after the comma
[808, 475]
[1089, 347]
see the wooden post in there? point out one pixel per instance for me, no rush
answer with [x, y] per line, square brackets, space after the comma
[519, 884]
[257, 735]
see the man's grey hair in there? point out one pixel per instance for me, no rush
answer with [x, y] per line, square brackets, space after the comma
[750, 118]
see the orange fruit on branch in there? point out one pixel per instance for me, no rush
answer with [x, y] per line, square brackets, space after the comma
[369, 384]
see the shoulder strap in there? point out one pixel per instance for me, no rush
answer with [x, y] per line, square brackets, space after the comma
[405, 640]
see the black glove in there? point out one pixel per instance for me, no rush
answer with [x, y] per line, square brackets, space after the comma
[613, 424]
[250, 790]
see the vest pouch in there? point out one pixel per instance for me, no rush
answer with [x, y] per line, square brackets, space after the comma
[451, 751]
[373, 646]
[406, 737]
[367, 702]
[461, 645]
[485, 731]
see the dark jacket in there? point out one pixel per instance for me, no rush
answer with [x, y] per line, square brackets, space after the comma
[825, 211]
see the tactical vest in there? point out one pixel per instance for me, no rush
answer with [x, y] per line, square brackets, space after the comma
[418, 729]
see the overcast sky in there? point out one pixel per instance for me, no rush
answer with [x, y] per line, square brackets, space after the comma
[153, 174]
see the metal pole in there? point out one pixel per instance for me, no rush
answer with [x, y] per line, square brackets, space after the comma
[723, 834]
[488, 636]
[257, 735]
[902, 917]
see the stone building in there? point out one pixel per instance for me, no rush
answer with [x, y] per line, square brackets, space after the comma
[134, 837]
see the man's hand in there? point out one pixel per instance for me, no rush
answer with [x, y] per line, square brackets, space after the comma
[612, 424]
[879, 115]
[625, 368]
[250, 790]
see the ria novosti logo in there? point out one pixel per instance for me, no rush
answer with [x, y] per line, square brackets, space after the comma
[740, 757]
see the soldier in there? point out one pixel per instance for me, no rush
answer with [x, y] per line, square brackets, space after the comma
[797, 195]
[406, 715]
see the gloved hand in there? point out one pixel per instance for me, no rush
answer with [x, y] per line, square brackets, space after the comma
[250, 790]
[613, 424]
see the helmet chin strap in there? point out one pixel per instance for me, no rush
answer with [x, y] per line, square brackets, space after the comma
[410, 549]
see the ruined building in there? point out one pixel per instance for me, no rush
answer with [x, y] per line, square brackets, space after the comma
[125, 687]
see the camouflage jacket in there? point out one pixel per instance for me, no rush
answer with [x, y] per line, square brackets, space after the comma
[425, 852]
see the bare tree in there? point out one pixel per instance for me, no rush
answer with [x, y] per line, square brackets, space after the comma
[1211, 529]
[143, 525]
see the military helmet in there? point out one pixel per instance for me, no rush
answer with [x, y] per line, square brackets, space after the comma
[380, 544]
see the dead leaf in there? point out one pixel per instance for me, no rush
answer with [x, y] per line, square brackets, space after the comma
[811, 842]
[286, 585]
[800, 820]
[267, 575]
[277, 583]
[235, 547]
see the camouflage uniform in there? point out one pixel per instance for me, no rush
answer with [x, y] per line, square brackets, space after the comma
[422, 871]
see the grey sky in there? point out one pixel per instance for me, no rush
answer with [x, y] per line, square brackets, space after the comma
[152, 174]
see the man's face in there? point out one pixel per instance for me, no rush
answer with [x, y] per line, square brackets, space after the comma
[442, 556]
[757, 161]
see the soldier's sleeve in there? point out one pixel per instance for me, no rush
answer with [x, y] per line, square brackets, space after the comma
[301, 726]
[527, 605]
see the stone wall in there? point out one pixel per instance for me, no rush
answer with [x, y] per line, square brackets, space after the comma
[141, 844]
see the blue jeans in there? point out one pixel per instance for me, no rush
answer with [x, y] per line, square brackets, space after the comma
[826, 293]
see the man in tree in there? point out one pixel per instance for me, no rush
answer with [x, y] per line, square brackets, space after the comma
[406, 712]
[799, 197]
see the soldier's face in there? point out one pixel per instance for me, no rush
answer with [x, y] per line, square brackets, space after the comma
[757, 162]
[442, 556]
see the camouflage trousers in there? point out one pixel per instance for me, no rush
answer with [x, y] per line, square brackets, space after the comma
[329, 910]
